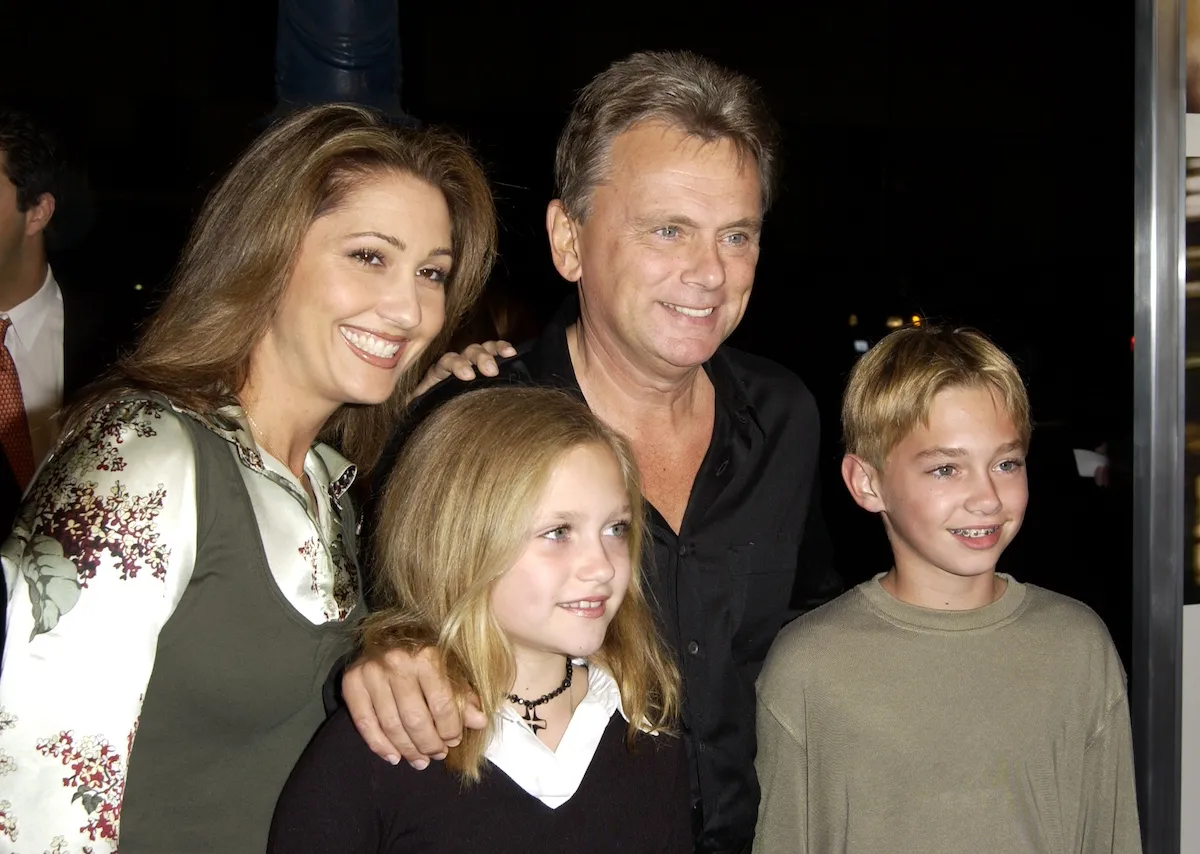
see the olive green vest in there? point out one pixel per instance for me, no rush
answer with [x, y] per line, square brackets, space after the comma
[236, 691]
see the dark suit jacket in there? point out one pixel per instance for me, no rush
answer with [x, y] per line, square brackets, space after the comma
[94, 334]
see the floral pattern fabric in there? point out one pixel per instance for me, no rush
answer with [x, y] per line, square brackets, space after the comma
[100, 555]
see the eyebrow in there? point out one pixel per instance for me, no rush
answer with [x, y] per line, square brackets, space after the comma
[387, 238]
[930, 453]
[749, 222]
[574, 517]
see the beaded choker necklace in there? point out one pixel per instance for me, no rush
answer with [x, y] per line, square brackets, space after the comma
[530, 716]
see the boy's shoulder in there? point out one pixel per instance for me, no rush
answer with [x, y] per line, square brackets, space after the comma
[817, 636]
[1061, 613]
[1068, 626]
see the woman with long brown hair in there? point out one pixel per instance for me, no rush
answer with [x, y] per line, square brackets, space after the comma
[183, 572]
[525, 574]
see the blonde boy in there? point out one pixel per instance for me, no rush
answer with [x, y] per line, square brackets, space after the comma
[942, 706]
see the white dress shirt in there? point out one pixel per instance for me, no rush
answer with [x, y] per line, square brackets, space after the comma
[35, 340]
[553, 776]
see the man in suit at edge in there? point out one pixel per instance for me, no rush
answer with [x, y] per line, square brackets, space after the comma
[54, 339]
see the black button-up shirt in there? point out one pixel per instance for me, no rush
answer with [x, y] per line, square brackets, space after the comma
[723, 585]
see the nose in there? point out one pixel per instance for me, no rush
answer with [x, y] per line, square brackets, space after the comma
[596, 564]
[984, 498]
[400, 303]
[705, 267]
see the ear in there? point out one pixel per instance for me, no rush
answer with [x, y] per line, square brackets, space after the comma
[862, 480]
[564, 241]
[39, 214]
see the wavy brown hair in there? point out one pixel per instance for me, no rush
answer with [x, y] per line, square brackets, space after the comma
[239, 258]
[456, 514]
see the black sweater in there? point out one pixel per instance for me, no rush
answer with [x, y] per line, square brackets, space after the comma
[343, 798]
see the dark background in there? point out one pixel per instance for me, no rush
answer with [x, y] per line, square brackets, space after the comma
[965, 162]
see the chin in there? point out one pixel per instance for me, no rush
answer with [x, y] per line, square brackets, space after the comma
[689, 357]
[971, 571]
[372, 393]
[584, 649]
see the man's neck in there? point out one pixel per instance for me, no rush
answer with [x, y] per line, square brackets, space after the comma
[22, 278]
[616, 385]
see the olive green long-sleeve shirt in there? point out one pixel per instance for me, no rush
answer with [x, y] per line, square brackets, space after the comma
[886, 727]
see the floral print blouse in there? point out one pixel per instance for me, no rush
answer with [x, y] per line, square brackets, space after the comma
[99, 557]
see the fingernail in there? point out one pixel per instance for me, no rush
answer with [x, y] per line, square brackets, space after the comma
[439, 756]
[392, 759]
[454, 742]
[420, 764]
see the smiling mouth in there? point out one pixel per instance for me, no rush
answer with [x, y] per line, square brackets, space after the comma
[689, 312]
[372, 345]
[586, 608]
[584, 604]
[974, 533]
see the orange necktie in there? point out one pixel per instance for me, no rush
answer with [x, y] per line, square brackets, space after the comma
[14, 426]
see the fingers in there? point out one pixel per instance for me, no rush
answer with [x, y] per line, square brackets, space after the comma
[401, 705]
[463, 365]
[429, 715]
[483, 358]
[432, 377]
[364, 710]
[473, 716]
[500, 348]
[443, 709]
[458, 364]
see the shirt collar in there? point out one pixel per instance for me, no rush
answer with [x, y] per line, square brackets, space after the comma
[29, 316]
[553, 776]
[229, 422]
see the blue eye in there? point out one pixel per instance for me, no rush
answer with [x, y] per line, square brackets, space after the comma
[670, 232]
[556, 535]
[618, 529]
[1010, 466]
[737, 239]
[943, 471]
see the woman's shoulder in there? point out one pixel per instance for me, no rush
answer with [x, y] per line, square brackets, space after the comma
[129, 426]
[129, 445]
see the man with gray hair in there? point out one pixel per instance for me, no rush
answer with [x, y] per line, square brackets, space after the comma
[665, 170]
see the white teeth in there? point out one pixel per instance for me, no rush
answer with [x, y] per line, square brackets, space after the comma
[690, 312]
[974, 533]
[582, 605]
[369, 343]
